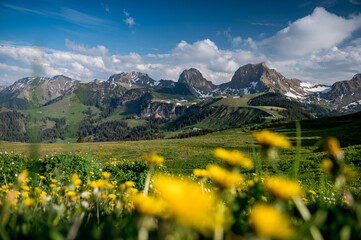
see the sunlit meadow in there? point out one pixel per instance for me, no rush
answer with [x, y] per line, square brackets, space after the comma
[71, 196]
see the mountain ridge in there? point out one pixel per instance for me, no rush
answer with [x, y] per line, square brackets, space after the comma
[345, 96]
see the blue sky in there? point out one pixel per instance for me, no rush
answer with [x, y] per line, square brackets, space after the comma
[317, 41]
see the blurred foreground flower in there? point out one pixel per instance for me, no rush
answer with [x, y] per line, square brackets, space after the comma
[270, 139]
[201, 172]
[332, 147]
[29, 202]
[149, 206]
[327, 166]
[234, 158]
[187, 202]
[269, 222]
[106, 175]
[22, 176]
[153, 158]
[283, 188]
[224, 178]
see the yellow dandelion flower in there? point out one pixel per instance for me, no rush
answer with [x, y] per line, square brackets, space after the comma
[224, 178]
[187, 202]
[201, 173]
[129, 184]
[25, 194]
[149, 206]
[312, 192]
[350, 174]
[100, 183]
[267, 221]
[153, 158]
[77, 183]
[133, 191]
[112, 196]
[25, 187]
[283, 188]
[37, 190]
[250, 183]
[75, 180]
[42, 177]
[43, 197]
[92, 173]
[327, 166]
[71, 194]
[270, 139]
[29, 202]
[234, 158]
[74, 177]
[23, 175]
[332, 146]
[54, 180]
[106, 175]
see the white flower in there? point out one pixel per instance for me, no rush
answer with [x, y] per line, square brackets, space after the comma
[56, 207]
[85, 204]
[84, 194]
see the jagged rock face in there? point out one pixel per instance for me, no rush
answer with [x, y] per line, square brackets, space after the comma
[248, 77]
[255, 78]
[43, 89]
[196, 83]
[345, 95]
[100, 93]
[134, 78]
[162, 110]
[166, 83]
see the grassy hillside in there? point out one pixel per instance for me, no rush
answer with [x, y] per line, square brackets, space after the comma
[184, 155]
[217, 113]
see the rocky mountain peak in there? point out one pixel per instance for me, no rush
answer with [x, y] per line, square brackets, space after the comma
[248, 75]
[133, 78]
[196, 83]
[345, 95]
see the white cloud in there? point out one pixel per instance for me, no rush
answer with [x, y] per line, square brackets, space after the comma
[98, 50]
[128, 19]
[320, 30]
[17, 69]
[327, 66]
[236, 41]
[83, 63]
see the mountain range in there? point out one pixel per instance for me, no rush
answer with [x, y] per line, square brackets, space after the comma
[255, 92]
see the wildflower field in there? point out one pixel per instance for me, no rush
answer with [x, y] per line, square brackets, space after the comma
[235, 184]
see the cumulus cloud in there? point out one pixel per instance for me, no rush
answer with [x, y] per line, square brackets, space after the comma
[98, 50]
[326, 67]
[87, 63]
[318, 31]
